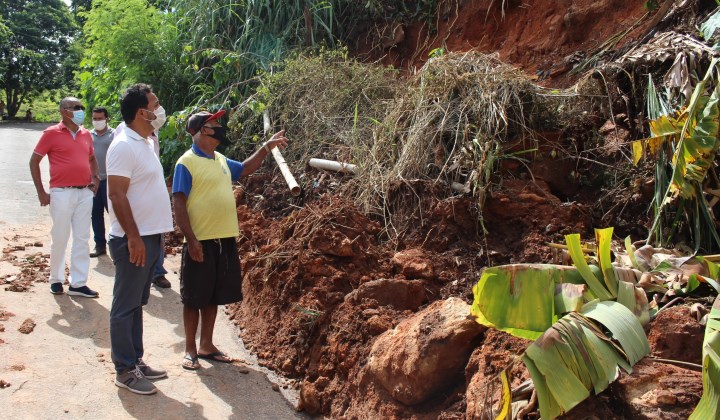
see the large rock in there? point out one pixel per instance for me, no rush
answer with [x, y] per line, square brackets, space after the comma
[425, 353]
[400, 294]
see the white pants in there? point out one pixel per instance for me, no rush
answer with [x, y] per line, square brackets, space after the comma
[70, 209]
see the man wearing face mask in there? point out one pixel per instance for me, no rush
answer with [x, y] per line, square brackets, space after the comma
[73, 180]
[139, 214]
[102, 136]
[205, 212]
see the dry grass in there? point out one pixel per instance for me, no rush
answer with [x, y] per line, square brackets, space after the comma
[445, 124]
[449, 126]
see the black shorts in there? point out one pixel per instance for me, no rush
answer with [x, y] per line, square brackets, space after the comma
[215, 281]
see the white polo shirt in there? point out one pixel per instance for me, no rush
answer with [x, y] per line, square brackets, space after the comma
[132, 156]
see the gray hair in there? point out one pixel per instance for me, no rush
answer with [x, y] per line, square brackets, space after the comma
[64, 101]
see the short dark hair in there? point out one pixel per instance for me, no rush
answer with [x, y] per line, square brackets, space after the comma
[134, 98]
[101, 109]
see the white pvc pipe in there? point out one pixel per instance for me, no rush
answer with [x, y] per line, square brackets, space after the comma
[458, 187]
[280, 160]
[333, 165]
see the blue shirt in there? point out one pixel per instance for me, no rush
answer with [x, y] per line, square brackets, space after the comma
[182, 179]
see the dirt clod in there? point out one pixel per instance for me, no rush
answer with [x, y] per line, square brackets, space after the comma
[27, 326]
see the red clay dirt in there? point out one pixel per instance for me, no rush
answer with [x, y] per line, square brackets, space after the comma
[304, 267]
[304, 260]
[544, 37]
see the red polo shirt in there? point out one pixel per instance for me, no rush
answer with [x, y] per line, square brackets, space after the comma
[69, 157]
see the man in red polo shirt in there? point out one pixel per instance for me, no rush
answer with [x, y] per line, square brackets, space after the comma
[73, 180]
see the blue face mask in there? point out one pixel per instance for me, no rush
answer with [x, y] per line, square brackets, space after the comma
[78, 117]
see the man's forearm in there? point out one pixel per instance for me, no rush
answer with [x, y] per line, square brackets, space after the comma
[94, 170]
[182, 218]
[35, 173]
[252, 163]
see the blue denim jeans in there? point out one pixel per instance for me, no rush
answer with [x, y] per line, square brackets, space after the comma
[159, 270]
[130, 293]
[99, 207]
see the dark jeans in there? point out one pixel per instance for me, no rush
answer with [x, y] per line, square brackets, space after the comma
[100, 205]
[159, 270]
[130, 292]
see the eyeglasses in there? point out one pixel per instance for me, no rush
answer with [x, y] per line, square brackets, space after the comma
[75, 108]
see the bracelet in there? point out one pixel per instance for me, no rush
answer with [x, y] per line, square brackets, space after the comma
[265, 146]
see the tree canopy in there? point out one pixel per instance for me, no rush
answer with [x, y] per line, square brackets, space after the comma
[33, 57]
[127, 42]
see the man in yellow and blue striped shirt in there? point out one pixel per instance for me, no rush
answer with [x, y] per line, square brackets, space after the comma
[205, 212]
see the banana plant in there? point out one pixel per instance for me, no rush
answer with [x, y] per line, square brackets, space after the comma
[587, 321]
[691, 135]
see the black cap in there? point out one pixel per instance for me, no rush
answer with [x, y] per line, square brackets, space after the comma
[196, 121]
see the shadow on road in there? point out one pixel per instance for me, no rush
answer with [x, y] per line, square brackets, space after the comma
[158, 406]
[82, 318]
[239, 390]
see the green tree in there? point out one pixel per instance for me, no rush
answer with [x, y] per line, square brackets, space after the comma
[5, 34]
[127, 42]
[41, 33]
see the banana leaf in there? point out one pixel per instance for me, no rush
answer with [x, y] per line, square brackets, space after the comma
[596, 287]
[576, 357]
[709, 405]
[603, 238]
[520, 298]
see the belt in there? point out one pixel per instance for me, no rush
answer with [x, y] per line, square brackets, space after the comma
[79, 187]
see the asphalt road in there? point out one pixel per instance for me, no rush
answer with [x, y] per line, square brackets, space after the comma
[62, 369]
[19, 202]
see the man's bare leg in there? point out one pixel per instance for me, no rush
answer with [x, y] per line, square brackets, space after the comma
[191, 318]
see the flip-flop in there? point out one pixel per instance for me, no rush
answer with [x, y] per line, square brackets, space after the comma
[216, 356]
[193, 365]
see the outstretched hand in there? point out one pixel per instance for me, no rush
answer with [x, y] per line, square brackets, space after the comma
[278, 140]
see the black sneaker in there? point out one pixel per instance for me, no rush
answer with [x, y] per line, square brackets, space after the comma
[56, 288]
[161, 281]
[98, 252]
[83, 291]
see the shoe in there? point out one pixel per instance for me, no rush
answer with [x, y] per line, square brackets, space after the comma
[98, 252]
[161, 281]
[56, 288]
[151, 373]
[83, 291]
[134, 380]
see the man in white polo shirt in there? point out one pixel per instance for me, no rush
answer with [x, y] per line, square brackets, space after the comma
[139, 214]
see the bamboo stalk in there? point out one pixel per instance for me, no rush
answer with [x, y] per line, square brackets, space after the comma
[280, 160]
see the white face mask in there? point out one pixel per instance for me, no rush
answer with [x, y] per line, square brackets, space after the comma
[99, 125]
[160, 118]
